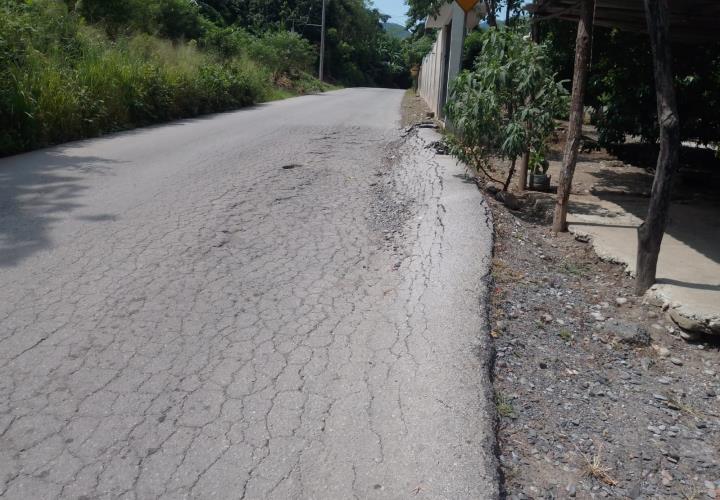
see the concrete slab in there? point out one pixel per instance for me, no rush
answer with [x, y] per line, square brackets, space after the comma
[689, 264]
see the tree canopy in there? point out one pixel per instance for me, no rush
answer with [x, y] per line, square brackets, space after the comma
[621, 87]
[358, 49]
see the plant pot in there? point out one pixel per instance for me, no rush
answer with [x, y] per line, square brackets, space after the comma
[540, 182]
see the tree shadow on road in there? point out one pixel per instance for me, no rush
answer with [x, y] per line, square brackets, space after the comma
[35, 190]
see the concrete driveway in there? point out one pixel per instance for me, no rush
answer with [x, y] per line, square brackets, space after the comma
[282, 302]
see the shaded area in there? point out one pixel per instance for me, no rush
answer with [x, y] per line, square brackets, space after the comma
[35, 189]
[697, 226]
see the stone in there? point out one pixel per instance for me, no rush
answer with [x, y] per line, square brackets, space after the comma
[571, 490]
[582, 238]
[690, 336]
[662, 351]
[676, 361]
[597, 316]
[628, 333]
[666, 478]
[508, 199]
[621, 300]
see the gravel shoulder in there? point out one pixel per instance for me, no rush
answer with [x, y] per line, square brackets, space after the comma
[597, 393]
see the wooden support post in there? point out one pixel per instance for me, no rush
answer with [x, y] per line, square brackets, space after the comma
[650, 232]
[491, 16]
[574, 133]
[525, 161]
[523, 173]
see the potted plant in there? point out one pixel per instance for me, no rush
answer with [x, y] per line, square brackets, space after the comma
[538, 166]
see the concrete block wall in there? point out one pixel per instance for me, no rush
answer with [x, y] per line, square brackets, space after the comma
[431, 74]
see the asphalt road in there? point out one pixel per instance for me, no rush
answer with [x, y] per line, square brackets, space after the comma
[282, 302]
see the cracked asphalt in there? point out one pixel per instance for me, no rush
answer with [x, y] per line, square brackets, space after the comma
[287, 301]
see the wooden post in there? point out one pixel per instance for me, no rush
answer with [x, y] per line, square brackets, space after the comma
[574, 133]
[523, 173]
[491, 17]
[650, 232]
[525, 161]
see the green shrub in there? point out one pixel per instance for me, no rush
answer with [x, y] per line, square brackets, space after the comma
[227, 41]
[507, 104]
[118, 16]
[283, 52]
[178, 19]
[63, 80]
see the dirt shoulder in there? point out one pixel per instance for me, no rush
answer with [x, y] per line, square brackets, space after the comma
[597, 394]
[413, 109]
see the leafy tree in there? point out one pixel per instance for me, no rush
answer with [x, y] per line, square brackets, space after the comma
[118, 15]
[621, 85]
[417, 46]
[418, 10]
[283, 52]
[180, 19]
[506, 104]
[472, 48]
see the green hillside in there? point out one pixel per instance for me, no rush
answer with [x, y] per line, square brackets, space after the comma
[73, 69]
[396, 30]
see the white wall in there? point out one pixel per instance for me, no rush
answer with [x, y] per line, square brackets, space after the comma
[431, 74]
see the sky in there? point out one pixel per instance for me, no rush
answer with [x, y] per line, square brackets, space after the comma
[396, 9]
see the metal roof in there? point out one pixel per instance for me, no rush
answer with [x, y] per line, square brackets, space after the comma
[691, 21]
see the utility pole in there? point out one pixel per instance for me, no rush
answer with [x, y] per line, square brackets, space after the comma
[322, 43]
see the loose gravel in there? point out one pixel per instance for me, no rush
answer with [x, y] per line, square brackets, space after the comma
[598, 396]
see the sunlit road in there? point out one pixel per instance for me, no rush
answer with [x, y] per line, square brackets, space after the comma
[282, 302]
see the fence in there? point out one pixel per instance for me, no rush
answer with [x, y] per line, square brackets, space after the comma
[431, 79]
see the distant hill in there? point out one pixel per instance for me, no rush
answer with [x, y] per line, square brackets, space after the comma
[396, 30]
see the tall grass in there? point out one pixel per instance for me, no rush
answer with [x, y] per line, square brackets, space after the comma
[61, 79]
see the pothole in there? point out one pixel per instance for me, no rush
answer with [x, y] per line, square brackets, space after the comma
[290, 166]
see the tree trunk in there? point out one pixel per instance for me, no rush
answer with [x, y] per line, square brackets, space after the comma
[491, 18]
[507, 12]
[523, 173]
[650, 232]
[574, 133]
[510, 175]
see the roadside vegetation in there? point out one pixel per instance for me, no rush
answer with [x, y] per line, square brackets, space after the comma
[506, 104]
[73, 69]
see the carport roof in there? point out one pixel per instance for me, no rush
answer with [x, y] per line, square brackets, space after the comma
[690, 20]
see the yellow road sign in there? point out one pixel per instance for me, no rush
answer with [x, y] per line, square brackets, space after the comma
[467, 5]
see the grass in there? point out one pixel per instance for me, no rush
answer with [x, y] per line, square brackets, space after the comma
[575, 269]
[595, 468]
[64, 80]
[504, 407]
[692, 494]
[565, 334]
[672, 403]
